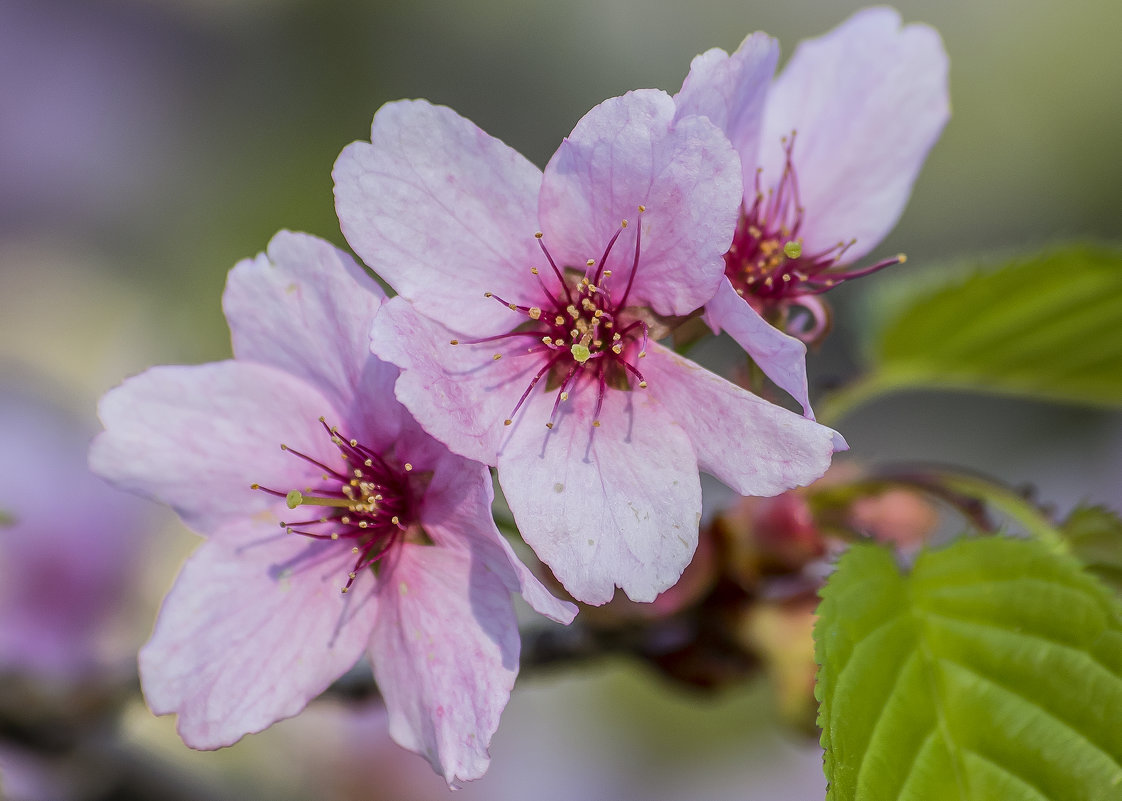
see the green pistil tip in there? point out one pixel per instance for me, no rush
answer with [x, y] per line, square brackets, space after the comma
[294, 499]
[581, 352]
[792, 250]
[6, 519]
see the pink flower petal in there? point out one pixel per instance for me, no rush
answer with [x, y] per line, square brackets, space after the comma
[868, 100]
[441, 211]
[456, 513]
[445, 655]
[306, 307]
[195, 438]
[730, 91]
[780, 356]
[627, 152]
[614, 505]
[459, 393]
[753, 446]
[254, 628]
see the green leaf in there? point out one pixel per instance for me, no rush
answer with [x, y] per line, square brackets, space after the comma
[993, 672]
[1095, 536]
[1046, 327]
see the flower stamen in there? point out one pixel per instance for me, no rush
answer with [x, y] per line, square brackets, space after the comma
[584, 333]
[372, 503]
[768, 263]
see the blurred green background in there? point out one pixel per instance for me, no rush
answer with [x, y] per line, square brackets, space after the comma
[147, 145]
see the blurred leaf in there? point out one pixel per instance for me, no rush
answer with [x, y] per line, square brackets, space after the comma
[1095, 535]
[992, 671]
[1046, 327]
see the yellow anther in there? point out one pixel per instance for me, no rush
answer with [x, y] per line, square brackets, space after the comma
[559, 320]
[564, 396]
[395, 520]
[901, 257]
[354, 550]
[488, 294]
[590, 262]
[334, 535]
[642, 209]
[507, 422]
[623, 224]
[642, 354]
[345, 590]
[284, 447]
[496, 357]
[535, 313]
[512, 307]
[454, 342]
[538, 235]
[607, 273]
[642, 385]
[595, 423]
[408, 467]
[549, 425]
[533, 271]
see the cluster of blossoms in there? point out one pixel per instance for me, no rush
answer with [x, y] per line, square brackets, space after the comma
[347, 445]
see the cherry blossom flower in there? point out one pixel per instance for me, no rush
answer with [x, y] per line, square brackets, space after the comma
[829, 152]
[529, 316]
[355, 498]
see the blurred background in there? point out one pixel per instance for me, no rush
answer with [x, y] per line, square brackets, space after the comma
[148, 145]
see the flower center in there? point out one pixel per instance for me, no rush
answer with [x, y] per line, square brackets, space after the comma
[584, 330]
[767, 263]
[368, 503]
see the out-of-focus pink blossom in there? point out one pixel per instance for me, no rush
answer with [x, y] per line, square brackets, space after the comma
[309, 478]
[538, 353]
[69, 546]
